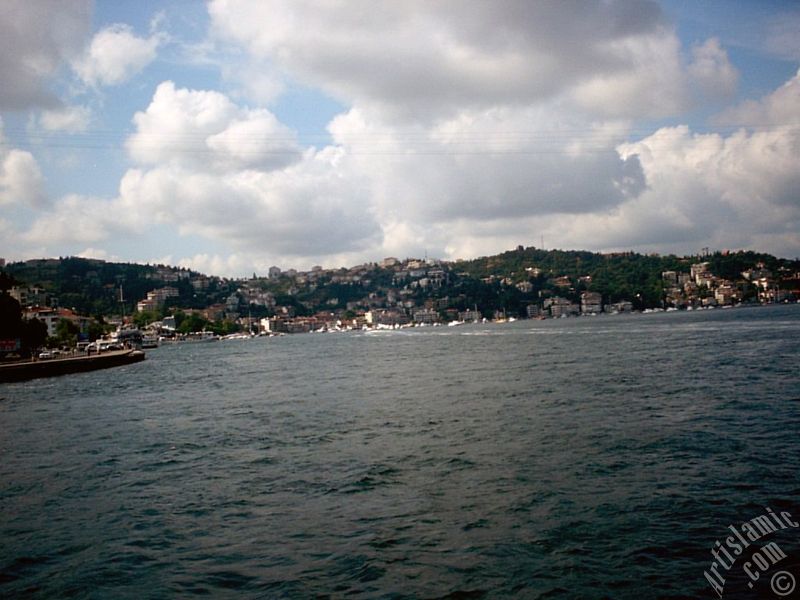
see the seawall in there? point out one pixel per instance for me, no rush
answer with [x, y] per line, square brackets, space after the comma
[22, 371]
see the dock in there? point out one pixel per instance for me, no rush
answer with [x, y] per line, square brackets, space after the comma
[25, 370]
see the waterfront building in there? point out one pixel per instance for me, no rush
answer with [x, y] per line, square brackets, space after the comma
[470, 316]
[386, 318]
[426, 316]
[560, 307]
[726, 294]
[591, 303]
[619, 307]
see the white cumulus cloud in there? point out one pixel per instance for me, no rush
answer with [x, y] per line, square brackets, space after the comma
[735, 190]
[78, 220]
[21, 180]
[114, 55]
[236, 175]
[780, 108]
[203, 129]
[711, 71]
[71, 119]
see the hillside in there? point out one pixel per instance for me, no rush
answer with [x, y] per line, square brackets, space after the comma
[507, 282]
[92, 287]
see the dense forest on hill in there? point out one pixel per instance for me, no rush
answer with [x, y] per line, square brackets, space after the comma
[92, 287]
[617, 276]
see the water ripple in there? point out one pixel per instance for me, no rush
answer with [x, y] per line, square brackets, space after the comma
[573, 458]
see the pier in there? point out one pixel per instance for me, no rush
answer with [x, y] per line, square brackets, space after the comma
[23, 371]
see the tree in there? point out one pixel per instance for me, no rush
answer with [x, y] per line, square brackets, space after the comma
[141, 319]
[6, 282]
[31, 334]
[10, 317]
[66, 333]
[98, 328]
[34, 335]
[191, 323]
[224, 327]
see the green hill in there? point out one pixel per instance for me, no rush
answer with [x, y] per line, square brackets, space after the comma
[508, 282]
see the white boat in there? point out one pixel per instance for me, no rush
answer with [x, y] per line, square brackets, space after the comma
[127, 337]
[200, 336]
[236, 336]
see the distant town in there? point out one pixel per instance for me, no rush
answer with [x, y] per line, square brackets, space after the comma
[81, 300]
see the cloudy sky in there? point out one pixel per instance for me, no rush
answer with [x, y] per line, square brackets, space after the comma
[233, 135]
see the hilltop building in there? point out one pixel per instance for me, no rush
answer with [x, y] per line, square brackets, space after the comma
[156, 298]
[30, 296]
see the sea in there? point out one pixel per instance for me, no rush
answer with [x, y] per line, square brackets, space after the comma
[591, 457]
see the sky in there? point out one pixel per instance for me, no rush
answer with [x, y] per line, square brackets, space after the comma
[233, 135]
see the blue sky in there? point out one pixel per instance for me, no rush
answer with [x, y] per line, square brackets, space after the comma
[233, 135]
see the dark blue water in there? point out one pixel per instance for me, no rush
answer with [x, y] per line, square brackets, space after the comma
[575, 458]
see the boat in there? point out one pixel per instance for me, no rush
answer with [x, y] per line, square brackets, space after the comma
[127, 338]
[200, 336]
[237, 336]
